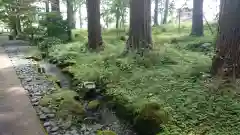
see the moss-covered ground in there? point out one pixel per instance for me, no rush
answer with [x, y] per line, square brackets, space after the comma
[174, 75]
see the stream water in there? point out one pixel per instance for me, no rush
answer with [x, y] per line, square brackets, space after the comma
[103, 118]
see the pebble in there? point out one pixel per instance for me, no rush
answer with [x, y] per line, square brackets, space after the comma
[74, 132]
[51, 115]
[34, 100]
[35, 104]
[28, 79]
[37, 94]
[43, 117]
[46, 124]
[54, 129]
[45, 110]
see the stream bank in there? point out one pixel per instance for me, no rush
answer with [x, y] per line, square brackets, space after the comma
[38, 86]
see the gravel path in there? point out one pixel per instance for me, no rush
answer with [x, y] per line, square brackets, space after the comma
[17, 116]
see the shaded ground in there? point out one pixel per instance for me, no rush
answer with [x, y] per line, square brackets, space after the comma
[17, 116]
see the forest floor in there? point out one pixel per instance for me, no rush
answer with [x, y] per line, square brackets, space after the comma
[175, 75]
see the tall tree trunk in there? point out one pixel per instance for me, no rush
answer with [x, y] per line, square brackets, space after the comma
[166, 12]
[117, 14]
[70, 14]
[140, 36]
[226, 62]
[156, 13]
[197, 18]
[47, 5]
[80, 16]
[70, 18]
[94, 26]
[55, 5]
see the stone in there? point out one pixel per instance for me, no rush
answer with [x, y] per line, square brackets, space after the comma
[74, 132]
[96, 127]
[35, 104]
[67, 124]
[38, 94]
[48, 129]
[51, 115]
[89, 85]
[46, 124]
[28, 79]
[34, 100]
[55, 133]
[43, 117]
[45, 110]
[54, 129]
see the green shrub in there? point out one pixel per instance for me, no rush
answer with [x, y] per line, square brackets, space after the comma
[55, 26]
[150, 119]
[49, 42]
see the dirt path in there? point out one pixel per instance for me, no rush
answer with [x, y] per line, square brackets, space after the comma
[17, 116]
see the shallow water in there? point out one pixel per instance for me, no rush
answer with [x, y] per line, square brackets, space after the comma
[103, 118]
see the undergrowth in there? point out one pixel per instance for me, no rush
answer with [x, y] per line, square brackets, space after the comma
[172, 75]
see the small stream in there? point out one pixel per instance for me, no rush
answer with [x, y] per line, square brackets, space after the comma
[101, 119]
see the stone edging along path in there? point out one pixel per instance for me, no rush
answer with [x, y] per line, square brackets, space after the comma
[36, 86]
[17, 116]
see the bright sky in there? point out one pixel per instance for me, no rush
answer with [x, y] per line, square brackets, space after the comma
[210, 7]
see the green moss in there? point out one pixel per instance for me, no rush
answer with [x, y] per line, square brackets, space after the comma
[106, 132]
[34, 54]
[54, 79]
[150, 119]
[93, 105]
[64, 103]
[170, 75]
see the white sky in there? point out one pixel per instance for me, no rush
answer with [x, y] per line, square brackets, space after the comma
[210, 7]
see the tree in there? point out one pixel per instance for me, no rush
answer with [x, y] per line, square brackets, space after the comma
[156, 10]
[140, 38]
[70, 18]
[226, 61]
[47, 6]
[94, 26]
[13, 12]
[55, 5]
[166, 12]
[197, 18]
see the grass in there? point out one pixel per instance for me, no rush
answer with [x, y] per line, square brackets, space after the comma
[170, 75]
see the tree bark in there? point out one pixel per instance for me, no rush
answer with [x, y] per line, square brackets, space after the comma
[117, 14]
[70, 19]
[156, 13]
[80, 16]
[166, 12]
[197, 18]
[140, 36]
[47, 6]
[70, 14]
[94, 26]
[55, 5]
[226, 62]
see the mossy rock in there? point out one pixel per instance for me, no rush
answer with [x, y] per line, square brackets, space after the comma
[35, 57]
[93, 105]
[64, 103]
[34, 54]
[106, 132]
[150, 119]
[65, 64]
[55, 80]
